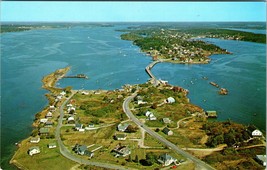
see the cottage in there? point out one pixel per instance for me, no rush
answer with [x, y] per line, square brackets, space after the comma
[166, 120]
[51, 145]
[33, 150]
[44, 131]
[141, 102]
[71, 119]
[48, 124]
[164, 82]
[35, 139]
[170, 100]
[84, 93]
[43, 120]
[82, 150]
[211, 114]
[122, 127]
[71, 110]
[261, 159]
[52, 108]
[69, 105]
[166, 159]
[91, 125]
[63, 93]
[256, 133]
[121, 151]
[49, 115]
[120, 137]
[150, 116]
[79, 127]
[59, 97]
[167, 131]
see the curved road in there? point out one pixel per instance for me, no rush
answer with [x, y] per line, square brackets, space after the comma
[66, 153]
[200, 164]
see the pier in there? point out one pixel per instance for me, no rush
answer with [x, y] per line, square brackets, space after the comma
[77, 76]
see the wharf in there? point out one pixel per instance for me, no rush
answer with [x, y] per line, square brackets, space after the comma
[77, 76]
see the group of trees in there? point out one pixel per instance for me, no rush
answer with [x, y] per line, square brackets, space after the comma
[226, 133]
[150, 159]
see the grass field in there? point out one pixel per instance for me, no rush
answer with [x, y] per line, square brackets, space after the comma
[46, 159]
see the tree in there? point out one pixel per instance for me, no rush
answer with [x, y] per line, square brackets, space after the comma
[154, 106]
[136, 160]
[130, 158]
[131, 129]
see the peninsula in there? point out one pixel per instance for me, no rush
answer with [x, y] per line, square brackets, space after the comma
[143, 126]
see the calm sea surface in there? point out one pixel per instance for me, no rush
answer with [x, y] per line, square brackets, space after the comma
[110, 63]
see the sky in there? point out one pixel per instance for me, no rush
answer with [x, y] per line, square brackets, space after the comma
[23, 11]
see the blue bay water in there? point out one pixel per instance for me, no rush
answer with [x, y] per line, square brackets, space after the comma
[243, 73]
[110, 63]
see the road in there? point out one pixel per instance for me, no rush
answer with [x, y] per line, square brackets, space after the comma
[153, 78]
[199, 164]
[66, 153]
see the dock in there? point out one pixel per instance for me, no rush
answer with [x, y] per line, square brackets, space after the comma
[211, 114]
[77, 76]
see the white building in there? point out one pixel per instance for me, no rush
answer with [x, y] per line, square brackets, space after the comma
[34, 150]
[150, 116]
[256, 133]
[166, 159]
[170, 100]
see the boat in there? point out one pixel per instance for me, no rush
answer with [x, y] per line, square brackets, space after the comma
[214, 84]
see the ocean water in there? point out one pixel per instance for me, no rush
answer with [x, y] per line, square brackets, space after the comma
[110, 62]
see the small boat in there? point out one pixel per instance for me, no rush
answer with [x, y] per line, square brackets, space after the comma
[214, 84]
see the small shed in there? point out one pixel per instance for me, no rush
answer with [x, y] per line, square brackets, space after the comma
[167, 131]
[51, 145]
[211, 114]
[170, 100]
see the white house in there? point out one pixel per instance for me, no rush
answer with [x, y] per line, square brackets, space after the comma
[51, 145]
[120, 137]
[167, 131]
[170, 100]
[63, 93]
[261, 159]
[71, 109]
[166, 159]
[52, 108]
[256, 133]
[69, 105]
[79, 127]
[49, 114]
[122, 127]
[43, 120]
[141, 102]
[35, 139]
[84, 93]
[70, 118]
[150, 116]
[34, 150]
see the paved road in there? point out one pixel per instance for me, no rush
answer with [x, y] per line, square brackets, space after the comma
[66, 153]
[148, 68]
[199, 164]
